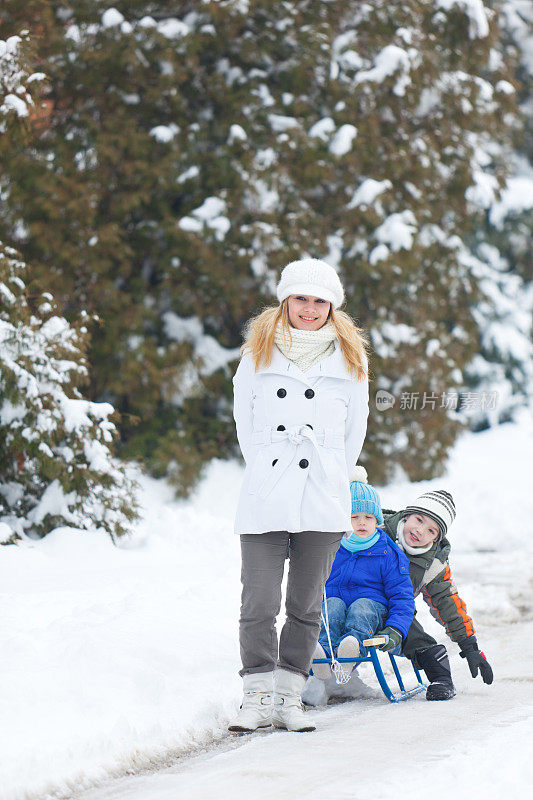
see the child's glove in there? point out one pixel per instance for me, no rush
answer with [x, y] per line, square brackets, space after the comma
[395, 639]
[476, 659]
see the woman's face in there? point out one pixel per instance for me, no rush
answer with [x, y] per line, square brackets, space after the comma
[307, 313]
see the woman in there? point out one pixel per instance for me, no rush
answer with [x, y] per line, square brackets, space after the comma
[301, 407]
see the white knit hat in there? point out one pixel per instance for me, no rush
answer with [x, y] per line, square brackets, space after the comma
[310, 276]
[438, 505]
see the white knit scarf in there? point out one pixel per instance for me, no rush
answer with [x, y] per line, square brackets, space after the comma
[305, 348]
[413, 551]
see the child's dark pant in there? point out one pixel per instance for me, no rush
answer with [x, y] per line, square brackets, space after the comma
[416, 639]
[263, 559]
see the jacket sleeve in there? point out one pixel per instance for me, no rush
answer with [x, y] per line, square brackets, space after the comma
[399, 592]
[447, 607]
[356, 421]
[243, 404]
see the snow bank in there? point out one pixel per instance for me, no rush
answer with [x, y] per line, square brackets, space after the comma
[119, 658]
[116, 656]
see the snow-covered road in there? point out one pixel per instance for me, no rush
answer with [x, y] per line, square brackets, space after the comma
[477, 745]
[119, 664]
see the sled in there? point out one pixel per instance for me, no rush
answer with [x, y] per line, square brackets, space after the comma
[372, 657]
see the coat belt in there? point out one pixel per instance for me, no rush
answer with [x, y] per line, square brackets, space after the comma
[294, 436]
[326, 437]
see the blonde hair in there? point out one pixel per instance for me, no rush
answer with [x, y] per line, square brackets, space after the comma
[260, 333]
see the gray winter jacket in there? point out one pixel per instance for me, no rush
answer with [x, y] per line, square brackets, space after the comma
[430, 575]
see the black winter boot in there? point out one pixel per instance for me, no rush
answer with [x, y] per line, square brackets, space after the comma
[434, 661]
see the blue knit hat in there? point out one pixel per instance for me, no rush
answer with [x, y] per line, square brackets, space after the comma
[365, 499]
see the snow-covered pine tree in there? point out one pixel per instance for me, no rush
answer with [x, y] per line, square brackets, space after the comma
[502, 248]
[188, 158]
[512, 218]
[56, 467]
[130, 149]
[377, 130]
[432, 114]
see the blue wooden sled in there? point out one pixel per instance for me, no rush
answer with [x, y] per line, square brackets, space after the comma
[372, 657]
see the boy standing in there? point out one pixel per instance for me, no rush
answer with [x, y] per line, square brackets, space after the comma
[420, 531]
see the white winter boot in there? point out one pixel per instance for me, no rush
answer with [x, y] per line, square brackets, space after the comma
[288, 711]
[348, 648]
[321, 671]
[256, 709]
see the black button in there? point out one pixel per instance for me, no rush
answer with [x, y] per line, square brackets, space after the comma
[281, 393]
[309, 426]
[304, 463]
[274, 462]
[280, 428]
[308, 393]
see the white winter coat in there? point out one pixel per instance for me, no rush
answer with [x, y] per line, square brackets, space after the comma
[300, 435]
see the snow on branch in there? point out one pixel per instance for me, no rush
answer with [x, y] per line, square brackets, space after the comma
[478, 26]
[206, 348]
[14, 77]
[390, 60]
[210, 214]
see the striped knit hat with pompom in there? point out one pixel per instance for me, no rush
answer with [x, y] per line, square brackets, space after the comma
[365, 499]
[438, 505]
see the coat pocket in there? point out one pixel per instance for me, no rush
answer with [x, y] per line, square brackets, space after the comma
[336, 479]
[258, 471]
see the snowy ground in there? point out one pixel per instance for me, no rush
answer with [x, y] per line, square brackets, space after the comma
[124, 660]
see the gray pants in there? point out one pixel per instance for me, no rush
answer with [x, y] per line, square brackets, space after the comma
[263, 560]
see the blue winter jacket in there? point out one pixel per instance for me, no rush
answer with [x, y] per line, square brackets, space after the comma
[380, 573]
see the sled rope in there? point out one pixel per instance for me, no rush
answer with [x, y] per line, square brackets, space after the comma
[341, 677]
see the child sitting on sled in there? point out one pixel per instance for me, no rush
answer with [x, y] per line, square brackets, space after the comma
[369, 591]
[420, 530]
